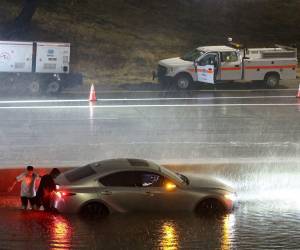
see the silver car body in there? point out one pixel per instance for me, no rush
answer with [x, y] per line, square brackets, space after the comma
[76, 192]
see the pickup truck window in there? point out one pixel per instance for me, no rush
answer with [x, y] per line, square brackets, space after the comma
[210, 59]
[230, 56]
[192, 55]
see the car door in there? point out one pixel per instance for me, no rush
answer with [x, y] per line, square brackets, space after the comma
[231, 66]
[162, 193]
[122, 192]
[207, 68]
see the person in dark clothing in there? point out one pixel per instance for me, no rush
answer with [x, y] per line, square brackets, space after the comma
[45, 190]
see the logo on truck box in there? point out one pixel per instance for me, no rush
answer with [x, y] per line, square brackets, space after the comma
[4, 57]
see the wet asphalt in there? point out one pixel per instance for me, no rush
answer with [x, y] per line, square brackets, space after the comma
[248, 137]
[195, 126]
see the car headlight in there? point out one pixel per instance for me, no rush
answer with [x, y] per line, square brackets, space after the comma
[230, 196]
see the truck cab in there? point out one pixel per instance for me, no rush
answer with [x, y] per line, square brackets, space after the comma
[213, 64]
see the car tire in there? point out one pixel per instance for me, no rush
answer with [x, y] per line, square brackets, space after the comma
[272, 80]
[183, 81]
[53, 88]
[210, 206]
[94, 210]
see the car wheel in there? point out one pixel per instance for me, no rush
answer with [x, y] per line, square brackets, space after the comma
[94, 210]
[272, 80]
[210, 206]
[183, 81]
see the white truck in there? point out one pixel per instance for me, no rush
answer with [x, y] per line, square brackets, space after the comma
[213, 64]
[38, 66]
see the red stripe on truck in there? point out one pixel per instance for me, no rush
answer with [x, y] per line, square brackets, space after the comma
[272, 67]
[235, 68]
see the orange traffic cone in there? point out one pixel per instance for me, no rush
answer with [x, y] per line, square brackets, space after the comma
[298, 94]
[92, 97]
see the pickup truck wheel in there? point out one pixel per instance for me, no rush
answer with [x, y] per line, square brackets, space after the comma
[272, 80]
[183, 81]
[53, 87]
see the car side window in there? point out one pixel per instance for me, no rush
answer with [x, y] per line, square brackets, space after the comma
[229, 56]
[120, 179]
[150, 179]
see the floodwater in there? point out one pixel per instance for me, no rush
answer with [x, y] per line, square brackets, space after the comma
[267, 218]
[256, 132]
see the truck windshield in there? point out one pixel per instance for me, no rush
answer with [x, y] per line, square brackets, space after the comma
[192, 55]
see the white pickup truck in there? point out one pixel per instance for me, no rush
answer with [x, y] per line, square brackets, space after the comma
[213, 64]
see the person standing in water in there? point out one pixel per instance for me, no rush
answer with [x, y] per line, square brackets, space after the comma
[28, 181]
[45, 190]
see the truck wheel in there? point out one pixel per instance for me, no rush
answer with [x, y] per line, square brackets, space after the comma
[272, 80]
[35, 87]
[53, 87]
[183, 81]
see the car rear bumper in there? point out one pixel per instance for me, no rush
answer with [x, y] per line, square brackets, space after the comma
[63, 206]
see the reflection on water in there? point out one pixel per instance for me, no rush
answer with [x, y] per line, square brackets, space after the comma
[267, 218]
[247, 228]
[228, 231]
[169, 236]
[61, 233]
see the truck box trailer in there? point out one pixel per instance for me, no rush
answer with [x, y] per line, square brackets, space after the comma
[213, 64]
[39, 66]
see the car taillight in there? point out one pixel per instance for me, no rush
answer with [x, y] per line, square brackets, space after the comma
[64, 193]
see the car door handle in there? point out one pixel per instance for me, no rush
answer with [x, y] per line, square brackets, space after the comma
[236, 66]
[106, 193]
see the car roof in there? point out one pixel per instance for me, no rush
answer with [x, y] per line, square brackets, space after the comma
[123, 164]
[102, 168]
[216, 48]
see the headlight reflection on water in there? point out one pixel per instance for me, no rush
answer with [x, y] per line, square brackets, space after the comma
[169, 236]
[228, 231]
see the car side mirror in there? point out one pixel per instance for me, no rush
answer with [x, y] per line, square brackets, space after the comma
[170, 186]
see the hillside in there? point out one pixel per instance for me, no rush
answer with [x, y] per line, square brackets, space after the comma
[121, 41]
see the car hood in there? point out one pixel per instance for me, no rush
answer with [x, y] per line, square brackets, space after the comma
[175, 62]
[208, 182]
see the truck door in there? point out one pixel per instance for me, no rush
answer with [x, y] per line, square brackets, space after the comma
[207, 68]
[231, 66]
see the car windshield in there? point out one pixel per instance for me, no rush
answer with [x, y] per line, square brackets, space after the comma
[192, 55]
[184, 178]
[171, 174]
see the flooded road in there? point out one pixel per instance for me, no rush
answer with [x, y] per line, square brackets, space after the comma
[267, 218]
[252, 226]
[247, 138]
